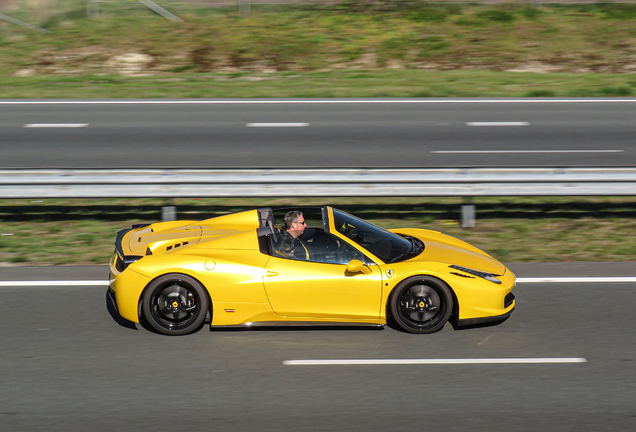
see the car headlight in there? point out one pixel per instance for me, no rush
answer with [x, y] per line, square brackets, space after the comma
[488, 276]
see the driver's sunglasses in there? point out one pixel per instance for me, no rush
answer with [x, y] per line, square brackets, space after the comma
[302, 223]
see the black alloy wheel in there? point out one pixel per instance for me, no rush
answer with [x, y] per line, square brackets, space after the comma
[421, 304]
[174, 304]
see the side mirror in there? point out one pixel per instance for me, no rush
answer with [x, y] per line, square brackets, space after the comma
[357, 266]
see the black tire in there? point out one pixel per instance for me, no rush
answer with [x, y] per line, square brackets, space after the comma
[174, 304]
[421, 304]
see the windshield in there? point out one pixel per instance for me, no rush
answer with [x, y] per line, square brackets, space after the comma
[384, 244]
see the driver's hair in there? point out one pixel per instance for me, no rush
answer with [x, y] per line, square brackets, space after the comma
[291, 217]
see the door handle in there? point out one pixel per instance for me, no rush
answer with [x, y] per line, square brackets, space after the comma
[270, 273]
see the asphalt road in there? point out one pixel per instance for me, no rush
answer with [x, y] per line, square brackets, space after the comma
[67, 365]
[270, 133]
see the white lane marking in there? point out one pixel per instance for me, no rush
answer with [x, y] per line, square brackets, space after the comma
[277, 124]
[63, 283]
[335, 101]
[56, 125]
[523, 151]
[577, 280]
[60, 283]
[434, 361]
[497, 124]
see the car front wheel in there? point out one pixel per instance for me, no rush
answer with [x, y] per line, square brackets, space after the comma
[421, 304]
[174, 304]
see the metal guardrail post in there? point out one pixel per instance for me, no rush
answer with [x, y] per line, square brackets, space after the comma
[468, 216]
[168, 213]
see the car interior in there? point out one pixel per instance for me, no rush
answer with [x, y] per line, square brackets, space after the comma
[322, 246]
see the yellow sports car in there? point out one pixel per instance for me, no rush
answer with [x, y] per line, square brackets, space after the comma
[240, 270]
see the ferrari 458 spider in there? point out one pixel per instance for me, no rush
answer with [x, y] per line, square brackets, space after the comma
[231, 271]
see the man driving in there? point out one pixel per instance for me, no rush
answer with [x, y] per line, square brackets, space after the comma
[294, 227]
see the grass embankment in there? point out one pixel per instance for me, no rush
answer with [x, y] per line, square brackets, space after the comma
[56, 232]
[354, 49]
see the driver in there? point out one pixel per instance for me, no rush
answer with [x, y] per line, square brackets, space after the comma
[294, 227]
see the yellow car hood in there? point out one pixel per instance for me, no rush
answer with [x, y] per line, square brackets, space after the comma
[444, 248]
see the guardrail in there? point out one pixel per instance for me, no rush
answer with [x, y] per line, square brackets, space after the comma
[202, 183]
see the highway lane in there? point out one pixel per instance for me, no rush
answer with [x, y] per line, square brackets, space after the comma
[270, 133]
[67, 365]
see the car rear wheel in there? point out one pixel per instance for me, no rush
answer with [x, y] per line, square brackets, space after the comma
[174, 304]
[421, 304]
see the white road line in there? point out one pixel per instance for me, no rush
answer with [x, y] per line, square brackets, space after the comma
[497, 124]
[59, 283]
[522, 151]
[294, 101]
[277, 124]
[577, 280]
[56, 125]
[433, 361]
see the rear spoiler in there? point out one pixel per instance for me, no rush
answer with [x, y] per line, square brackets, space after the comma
[126, 260]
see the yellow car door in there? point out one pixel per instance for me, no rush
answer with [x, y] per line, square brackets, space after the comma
[322, 290]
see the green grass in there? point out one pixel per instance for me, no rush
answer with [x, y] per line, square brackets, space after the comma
[352, 49]
[534, 229]
[341, 84]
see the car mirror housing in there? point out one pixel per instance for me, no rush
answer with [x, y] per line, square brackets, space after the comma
[357, 266]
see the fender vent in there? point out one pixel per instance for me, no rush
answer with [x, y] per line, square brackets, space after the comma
[463, 275]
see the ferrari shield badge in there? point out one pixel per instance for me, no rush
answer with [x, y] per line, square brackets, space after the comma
[389, 273]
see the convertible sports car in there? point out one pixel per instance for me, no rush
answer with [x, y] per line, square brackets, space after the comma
[229, 271]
